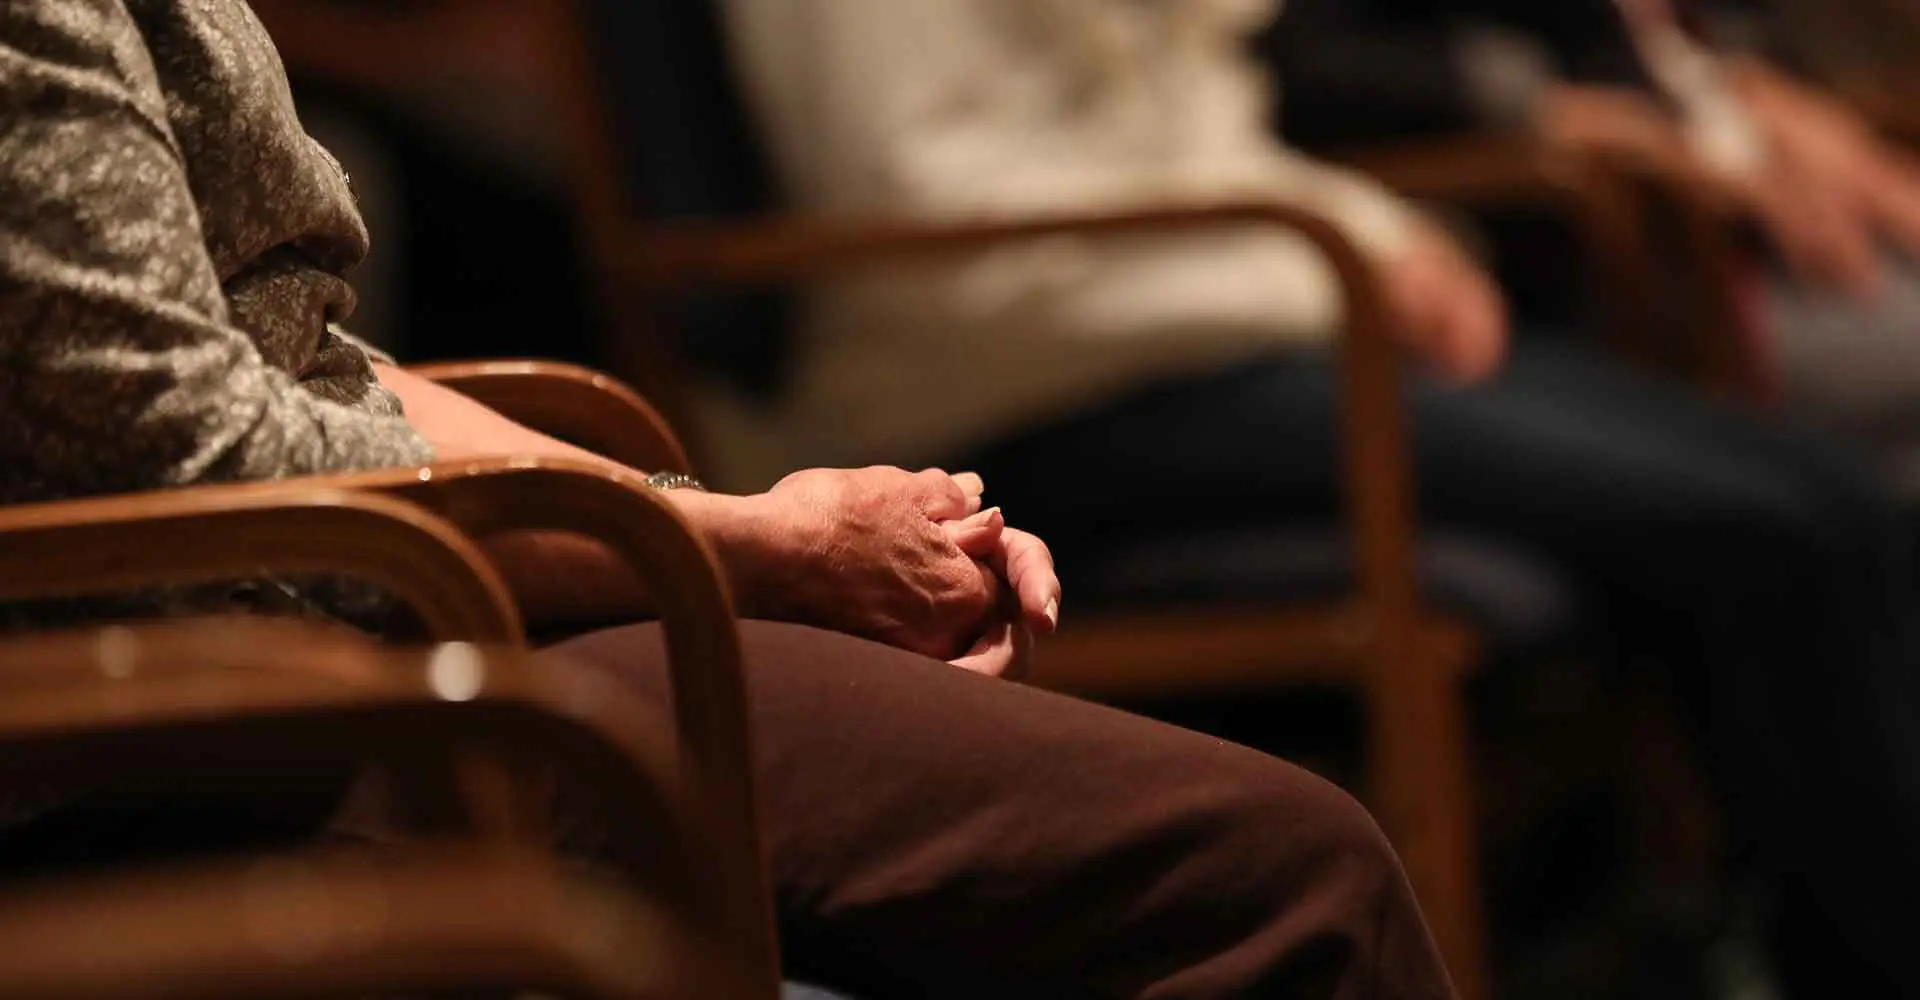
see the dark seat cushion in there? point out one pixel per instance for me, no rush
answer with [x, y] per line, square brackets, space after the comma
[1515, 598]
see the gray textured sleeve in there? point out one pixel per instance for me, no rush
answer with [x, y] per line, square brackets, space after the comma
[120, 366]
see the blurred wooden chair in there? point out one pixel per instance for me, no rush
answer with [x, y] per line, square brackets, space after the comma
[414, 532]
[440, 922]
[470, 898]
[1658, 241]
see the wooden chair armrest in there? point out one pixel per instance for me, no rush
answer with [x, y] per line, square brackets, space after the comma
[1702, 249]
[94, 706]
[587, 408]
[1377, 477]
[399, 922]
[212, 534]
[794, 248]
[259, 690]
[1692, 326]
[690, 595]
[1477, 170]
[1597, 206]
[342, 524]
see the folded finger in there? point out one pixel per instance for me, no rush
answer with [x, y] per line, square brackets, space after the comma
[997, 654]
[978, 536]
[1030, 572]
[940, 497]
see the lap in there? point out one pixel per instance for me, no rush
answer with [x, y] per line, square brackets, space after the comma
[927, 825]
[1564, 451]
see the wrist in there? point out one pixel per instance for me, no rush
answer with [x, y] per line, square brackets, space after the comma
[745, 536]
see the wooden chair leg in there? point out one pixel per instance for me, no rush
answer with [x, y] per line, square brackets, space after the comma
[1417, 748]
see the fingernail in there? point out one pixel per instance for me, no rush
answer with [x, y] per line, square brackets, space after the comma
[984, 519]
[1053, 611]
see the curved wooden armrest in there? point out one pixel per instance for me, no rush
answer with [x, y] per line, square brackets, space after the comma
[1485, 170]
[315, 925]
[212, 534]
[341, 524]
[795, 248]
[257, 690]
[246, 692]
[689, 590]
[1378, 481]
[1642, 311]
[1597, 206]
[579, 405]
[1703, 248]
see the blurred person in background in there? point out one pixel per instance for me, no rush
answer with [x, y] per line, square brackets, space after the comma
[1168, 386]
[1839, 210]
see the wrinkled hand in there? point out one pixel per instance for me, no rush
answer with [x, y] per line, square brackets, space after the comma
[867, 552]
[1031, 603]
[1820, 231]
[1446, 308]
[1828, 163]
[1826, 197]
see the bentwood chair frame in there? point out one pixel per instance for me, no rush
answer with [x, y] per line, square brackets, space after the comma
[415, 533]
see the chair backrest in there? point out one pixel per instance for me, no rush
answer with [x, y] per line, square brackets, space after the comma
[687, 152]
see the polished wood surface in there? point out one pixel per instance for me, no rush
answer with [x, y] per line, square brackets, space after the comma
[353, 925]
[214, 534]
[1598, 206]
[696, 614]
[584, 407]
[91, 706]
[1659, 233]
[415, 531]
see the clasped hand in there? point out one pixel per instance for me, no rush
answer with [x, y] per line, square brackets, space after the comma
[908, 559]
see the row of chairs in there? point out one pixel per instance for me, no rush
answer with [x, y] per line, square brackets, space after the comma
[698, 902]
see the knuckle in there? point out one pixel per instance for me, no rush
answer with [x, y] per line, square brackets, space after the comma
[935, 479]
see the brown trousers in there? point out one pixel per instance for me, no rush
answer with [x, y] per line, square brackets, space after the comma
[934, 833]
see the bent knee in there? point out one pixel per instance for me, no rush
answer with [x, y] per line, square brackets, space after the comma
[1320, 893]
[1283, 831]
[1329, 828]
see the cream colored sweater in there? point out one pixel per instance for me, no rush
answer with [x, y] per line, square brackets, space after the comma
[928, 109]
